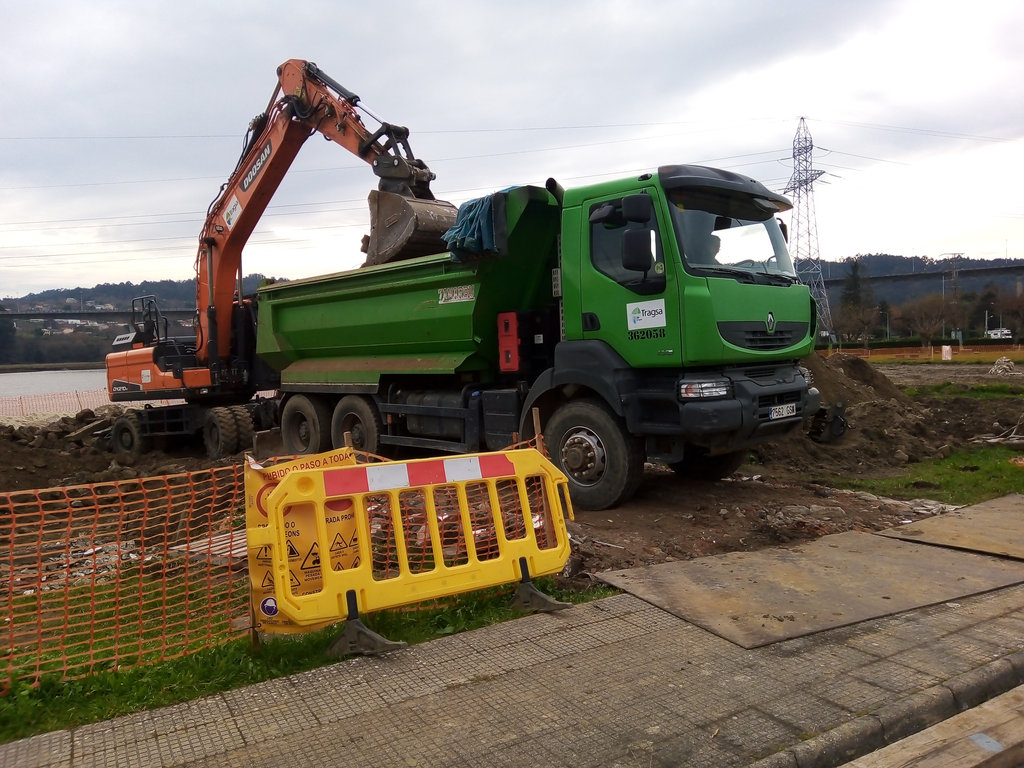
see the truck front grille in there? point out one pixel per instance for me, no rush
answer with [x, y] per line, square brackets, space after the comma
[753, 335]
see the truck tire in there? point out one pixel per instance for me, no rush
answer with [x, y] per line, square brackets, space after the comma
[305, 425]
[697, 465]
[590, 445]
[220, 434]
[357, 416]
[243, 427]
[126, 440]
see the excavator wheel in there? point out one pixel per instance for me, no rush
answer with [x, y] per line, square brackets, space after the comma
[243, 427]
[220, 435]
[126, 439]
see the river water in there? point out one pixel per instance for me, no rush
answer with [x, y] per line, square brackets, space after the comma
[47, 382]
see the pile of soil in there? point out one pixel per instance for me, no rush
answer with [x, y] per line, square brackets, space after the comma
[782, 495]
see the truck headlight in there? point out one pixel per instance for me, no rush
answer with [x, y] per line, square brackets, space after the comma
[691, 390]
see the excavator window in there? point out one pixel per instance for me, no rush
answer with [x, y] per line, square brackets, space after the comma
[146, 319]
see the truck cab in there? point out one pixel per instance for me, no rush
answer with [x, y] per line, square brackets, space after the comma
[683, 319]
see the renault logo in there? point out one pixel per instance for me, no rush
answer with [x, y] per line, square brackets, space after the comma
[769, 323]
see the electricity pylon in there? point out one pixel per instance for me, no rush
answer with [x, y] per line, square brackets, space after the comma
[803, 237]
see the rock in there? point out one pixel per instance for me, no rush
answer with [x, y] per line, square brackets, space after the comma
[818, 510]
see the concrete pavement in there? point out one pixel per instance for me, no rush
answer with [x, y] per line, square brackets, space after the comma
[615, 682]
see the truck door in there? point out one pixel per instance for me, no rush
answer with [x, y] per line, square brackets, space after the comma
[630, 303]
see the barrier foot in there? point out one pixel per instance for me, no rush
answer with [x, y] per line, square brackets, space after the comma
[358, 638]
[529, 598]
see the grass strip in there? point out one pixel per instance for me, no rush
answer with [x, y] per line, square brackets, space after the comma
[56, 704]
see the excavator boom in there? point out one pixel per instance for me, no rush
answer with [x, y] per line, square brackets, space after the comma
[405, 219]
[217, 372]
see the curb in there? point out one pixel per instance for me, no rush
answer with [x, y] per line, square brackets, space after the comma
[902, 718]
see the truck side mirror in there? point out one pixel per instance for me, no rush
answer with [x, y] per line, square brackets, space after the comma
[785, 230]
[637, 255]
[602, 214]
[637, 208]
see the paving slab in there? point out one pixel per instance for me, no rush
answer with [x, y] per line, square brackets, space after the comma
[762, 597]
[615, 682]
[995, 527]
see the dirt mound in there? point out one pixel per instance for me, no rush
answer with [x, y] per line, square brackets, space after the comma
[47, 451]
[786, 493]
[884, 428]
[850, 379]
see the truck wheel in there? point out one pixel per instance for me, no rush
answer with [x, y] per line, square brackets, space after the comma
[357, 416]
[697, 465]
[220, 435]
[604, 464]
[126, 439]
[305, 425]
[243, 427]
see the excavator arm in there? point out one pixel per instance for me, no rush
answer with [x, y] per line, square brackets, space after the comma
[405, 219]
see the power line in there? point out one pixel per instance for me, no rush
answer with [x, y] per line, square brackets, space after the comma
[918, 131]
[434, 132]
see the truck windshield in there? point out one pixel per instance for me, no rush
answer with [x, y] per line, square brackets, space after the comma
[729, 235]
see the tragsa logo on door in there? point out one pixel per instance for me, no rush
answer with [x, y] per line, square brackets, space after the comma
[645, 314]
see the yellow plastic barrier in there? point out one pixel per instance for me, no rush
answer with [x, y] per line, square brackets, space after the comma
[422, 529]
[301, 549]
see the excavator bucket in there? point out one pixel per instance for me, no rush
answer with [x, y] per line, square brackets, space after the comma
[405, 227]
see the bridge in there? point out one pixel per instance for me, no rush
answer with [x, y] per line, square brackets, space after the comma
[112, 317]
[896, 289]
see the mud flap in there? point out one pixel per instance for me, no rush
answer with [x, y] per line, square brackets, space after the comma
[405, 227]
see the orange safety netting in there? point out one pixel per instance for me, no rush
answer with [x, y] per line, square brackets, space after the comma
[53, 402]
[97, 576]
[70, 402]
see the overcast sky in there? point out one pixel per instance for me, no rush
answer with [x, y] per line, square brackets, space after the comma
[122, 119]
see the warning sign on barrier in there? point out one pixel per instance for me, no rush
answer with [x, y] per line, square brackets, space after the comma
[343, 536]
[304, 573]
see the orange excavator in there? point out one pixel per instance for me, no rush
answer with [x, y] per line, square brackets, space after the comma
[217, 372]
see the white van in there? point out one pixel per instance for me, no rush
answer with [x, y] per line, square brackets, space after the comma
[999, 333]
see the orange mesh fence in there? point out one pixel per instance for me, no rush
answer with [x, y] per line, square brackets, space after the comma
[98, 576]
[69, 402]
[54, 402]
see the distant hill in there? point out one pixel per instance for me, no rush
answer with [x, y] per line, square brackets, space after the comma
[170, 294]
[898, 279]
[885, 264]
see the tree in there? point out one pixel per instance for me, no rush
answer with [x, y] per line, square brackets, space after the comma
[1009, 305]
[858, 313]
[7, 333]
[924, 317]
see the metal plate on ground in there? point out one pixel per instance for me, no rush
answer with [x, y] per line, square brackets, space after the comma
[757, 598]
[995, 527]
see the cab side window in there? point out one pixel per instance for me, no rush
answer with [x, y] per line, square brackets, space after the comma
[608, 229]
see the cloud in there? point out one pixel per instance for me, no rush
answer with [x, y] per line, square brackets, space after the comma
[115, 141]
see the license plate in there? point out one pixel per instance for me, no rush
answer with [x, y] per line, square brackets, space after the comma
[782, 411]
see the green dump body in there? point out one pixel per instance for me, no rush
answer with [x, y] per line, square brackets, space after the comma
[432, 315]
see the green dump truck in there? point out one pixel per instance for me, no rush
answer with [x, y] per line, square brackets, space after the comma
[653, 318]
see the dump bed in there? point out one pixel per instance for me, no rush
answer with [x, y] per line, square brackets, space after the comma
[430, 315]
